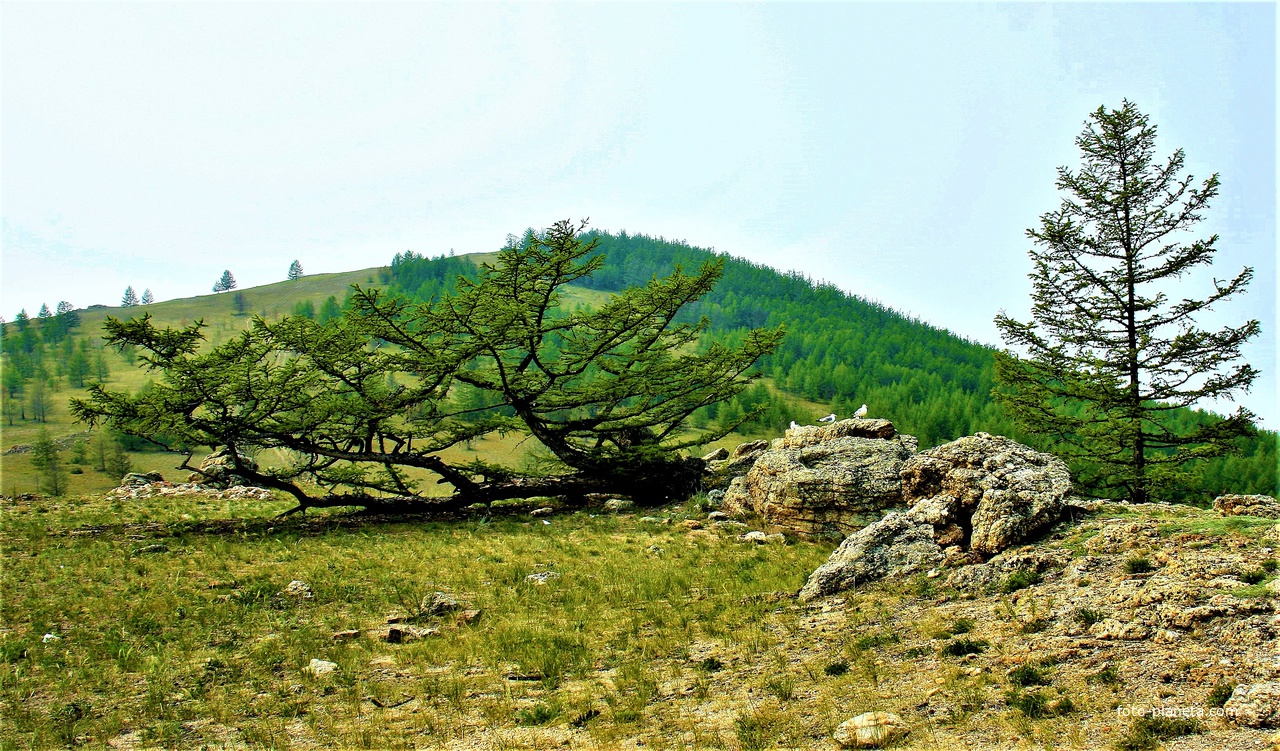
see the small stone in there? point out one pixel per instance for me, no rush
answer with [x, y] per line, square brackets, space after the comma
[777, 538]
[440, 603]
[321, 667]
[651, 520]
[691, 524]
[717, 516]
[297, 588]
[402, 633]
[871, 730]
[469, 617]
[542, 577]
[932, 574]
[755, 536]
[544, 511]
[618, 505]
[347, 635]
[49, 638]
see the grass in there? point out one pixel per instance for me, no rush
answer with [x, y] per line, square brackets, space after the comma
[1146, 733]
[201, 632]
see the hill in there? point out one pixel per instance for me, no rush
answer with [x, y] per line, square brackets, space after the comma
[840, 352]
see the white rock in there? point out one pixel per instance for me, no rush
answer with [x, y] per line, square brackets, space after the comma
[870, 730]
[321, 667]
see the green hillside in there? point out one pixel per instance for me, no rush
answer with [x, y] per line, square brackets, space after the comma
[840, 352]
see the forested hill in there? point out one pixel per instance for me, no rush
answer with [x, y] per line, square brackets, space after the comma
[839, 350]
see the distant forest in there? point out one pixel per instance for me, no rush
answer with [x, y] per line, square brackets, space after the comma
[840, 350]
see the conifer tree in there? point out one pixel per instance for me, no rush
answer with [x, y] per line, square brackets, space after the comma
[1108, 358]
[295, 271]
[608, 392]
[130, 298]
[225, 282]
[147, 297]
[46, 460]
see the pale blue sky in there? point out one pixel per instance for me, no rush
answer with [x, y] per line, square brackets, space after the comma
[897, 150]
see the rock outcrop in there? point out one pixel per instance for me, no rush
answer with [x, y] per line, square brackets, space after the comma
[894, 545]
[140, 479]
[1255, 705]
[985, 492]
[825, 479]
[974, 497]
[1247, 505]
[218, 470]
[725, 466]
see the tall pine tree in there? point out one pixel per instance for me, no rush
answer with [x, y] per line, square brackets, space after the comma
[295, 271]
[130, 298]
[1108, 357]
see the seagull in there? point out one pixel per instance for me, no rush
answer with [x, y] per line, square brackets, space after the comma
[794, 425]
[862, 411]
[829, 418]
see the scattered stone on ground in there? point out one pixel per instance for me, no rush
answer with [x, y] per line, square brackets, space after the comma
[439, 604]
[347, 635]
[1248, 505]
[542, 577]
[618, 505]
[321, 667]
[402, 633]
[298, 588]
[823, 480]
[168, 489]
[870, 730]
[1255, 705]
[138, 479]
[544, 511]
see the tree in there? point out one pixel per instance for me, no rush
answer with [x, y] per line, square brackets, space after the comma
[22, 320]
[78, 367]
[130, 298]
[46, 460]
[305, 308]
[147, 297]
[329, 309]
[1110, 360]
[360, 401]
[225, 282]
[295, 271]
[240, 302]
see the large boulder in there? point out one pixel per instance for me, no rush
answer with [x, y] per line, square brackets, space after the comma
[985, 492]
[819, 480]
[1247, 505]
[724, 466]
[218, 470]
[894, 545]
[981, 494]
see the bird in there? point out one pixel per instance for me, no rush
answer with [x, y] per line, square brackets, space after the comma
[862, 411]
[794, 425]
[829, 418]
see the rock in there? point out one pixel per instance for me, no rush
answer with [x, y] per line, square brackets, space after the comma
[1112, 629]
[691, 524]
[1000, 490]
[718, 455]
[140, 479]
[321, 667]
[297, 588]
[715, 498]
[893, 545]
[1117, 536]
[544, 511]
[1255, 705]
[440, 603]
[722, 471]
[402, 633]
[777, 538]
[717, 516]
[218, 470]
[542, 577]
[618, 506]
[754, 536]
[870, 730]
[347, 635]
[469, 617]
[1247, 505]
[825, 479]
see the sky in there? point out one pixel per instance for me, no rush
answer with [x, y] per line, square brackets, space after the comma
[897, 150]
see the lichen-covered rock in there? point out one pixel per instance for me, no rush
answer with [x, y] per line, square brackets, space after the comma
[870, 730]
[219, 470]
[987, 491]
[823, 479]
[1255, 705]
[1247, 505]
[724, 466]
[1121, 535]
[140, 479]
[893, 545]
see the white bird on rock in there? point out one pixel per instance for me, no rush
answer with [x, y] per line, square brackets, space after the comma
[862, 411]
[794, 425]
[829, 418]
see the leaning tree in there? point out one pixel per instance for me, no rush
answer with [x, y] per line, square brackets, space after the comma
[1109, 361]
[365, 406]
